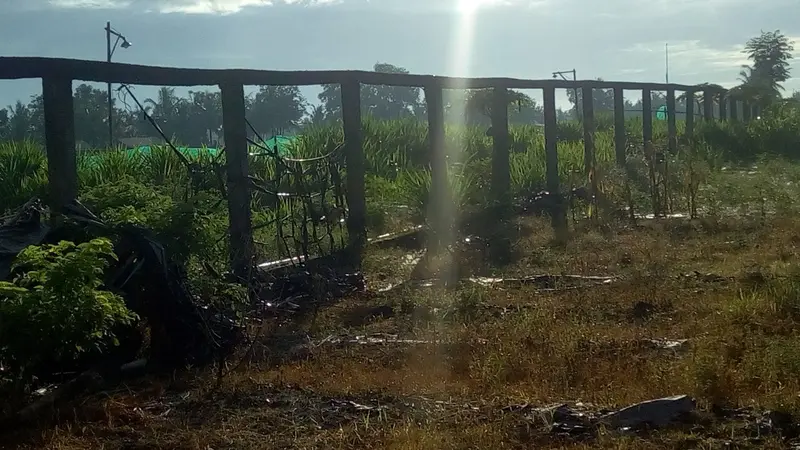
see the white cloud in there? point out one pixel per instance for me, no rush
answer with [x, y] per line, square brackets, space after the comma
[585, 8]
[689, 56]
[313, 2]
[686, 57]
[209, 6]
[632, 71]
[220, 7]
[100, 4]
[234, 6]
[694, 60]
[681, 11]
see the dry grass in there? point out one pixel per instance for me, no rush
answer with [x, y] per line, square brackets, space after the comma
[499, 346]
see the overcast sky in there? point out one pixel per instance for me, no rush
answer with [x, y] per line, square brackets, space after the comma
[612, 39]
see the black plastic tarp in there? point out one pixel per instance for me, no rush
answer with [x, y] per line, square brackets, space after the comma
[23, 229]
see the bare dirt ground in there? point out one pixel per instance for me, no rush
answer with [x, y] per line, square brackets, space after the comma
[706, 310]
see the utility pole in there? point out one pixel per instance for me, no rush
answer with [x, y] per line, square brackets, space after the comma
[575, 91]
[109, 53]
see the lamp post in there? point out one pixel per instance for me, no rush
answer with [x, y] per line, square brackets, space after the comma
[124, 43]
[574, 73]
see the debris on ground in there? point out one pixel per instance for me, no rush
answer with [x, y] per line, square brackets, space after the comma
[654, 413]
[374, 339]
[676, 345]
[542, 283]
[544, 201]
[706, 277]
[563, 419]
[546, 282]
[50, 398]
[303, 289]
[410, 238]
[572, 421]
[181, 331]
[581, 419]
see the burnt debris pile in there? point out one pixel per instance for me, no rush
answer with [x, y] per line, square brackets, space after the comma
[180, 329]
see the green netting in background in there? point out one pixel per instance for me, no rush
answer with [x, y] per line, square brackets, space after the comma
[283, 143]
[191, 152]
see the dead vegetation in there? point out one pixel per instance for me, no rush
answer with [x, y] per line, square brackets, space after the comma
[706, 310]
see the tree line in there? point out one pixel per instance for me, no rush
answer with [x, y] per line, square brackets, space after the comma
[196, 119]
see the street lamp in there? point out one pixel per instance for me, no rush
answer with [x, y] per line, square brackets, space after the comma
[574, 73]
[123, 42]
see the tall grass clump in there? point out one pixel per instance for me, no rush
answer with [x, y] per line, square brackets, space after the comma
[775, 134]
[397, 155]
[99, 167]
[414, 188]
[23, 173]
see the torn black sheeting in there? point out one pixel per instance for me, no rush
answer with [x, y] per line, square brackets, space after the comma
[23, 229]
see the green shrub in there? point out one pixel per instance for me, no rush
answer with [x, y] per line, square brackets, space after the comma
[184, 227]
[55, 309]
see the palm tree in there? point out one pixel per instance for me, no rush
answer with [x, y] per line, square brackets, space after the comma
[165, 106]
[315, 117]
[204, 116]
[4, 118]
[20, 124]
[165, 110]
[770, 53]
[755, 89]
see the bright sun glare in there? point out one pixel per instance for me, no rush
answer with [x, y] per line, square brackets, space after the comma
[463, 38]
[472, 5]
[461, 47]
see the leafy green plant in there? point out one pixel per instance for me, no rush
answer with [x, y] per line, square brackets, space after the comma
[216, 293]
[55, 309]
[186, 227]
